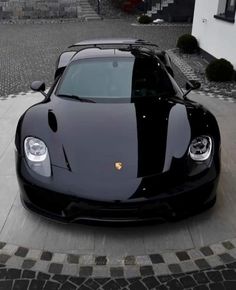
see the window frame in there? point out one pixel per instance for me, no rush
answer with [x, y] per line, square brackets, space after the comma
[226, 14]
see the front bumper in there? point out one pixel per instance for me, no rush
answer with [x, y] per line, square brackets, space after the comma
[183, 200]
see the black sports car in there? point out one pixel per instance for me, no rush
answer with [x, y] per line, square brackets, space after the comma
[116, 139]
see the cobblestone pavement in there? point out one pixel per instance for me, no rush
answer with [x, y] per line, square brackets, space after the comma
[28, 52]
[219, 278]
[194, 66]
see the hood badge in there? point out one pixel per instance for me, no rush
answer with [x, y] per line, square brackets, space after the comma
[118, 165]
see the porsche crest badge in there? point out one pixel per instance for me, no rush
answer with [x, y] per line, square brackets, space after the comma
[118, 165]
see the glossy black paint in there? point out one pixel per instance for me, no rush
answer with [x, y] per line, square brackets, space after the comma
[150, 137]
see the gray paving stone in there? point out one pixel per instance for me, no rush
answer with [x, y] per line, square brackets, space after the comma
[46, 256]
[117, 271]
[73, 259]
[77, 280]
[14, 262]
[130, 260]
[201, 278]
[2, 245]
[4, 258]
[175, 268]
[151, 282]
[21, 284]
[92, 284]
[101, 271]
[111, 285]
[183, 256]
[55, 268]
[187, 281]
[229, 274]
[101, 260]
[214, 276]
[28, 264]
[85, 271]
[60, 278]
[28, 274]
[3, 273]
[70, 269]
[36, 285]
[216, 286]
[202, 264]
[226, 258]
[68, 286]
[228, 245]
[146, 271]
[51, 285]
[6, 285]
[207, 251]
[131, 271]
[157, 259]
[13, 274]
[229, 285]
[21, 252]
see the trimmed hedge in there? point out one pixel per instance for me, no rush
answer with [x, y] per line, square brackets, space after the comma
[187, 44]
[220, 70]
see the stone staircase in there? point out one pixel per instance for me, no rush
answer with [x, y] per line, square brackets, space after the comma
[86, 11]
[159, 6]
[172, 10]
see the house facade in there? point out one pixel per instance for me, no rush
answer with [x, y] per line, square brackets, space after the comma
[214, 26]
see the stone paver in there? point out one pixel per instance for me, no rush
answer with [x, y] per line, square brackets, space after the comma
[217, 278]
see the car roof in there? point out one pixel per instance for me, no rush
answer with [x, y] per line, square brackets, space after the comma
[110, 47]
[97, 53]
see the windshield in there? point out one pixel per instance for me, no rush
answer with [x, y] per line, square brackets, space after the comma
[116, 78]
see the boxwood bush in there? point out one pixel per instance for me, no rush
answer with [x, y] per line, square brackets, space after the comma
[220, 70]
[187, 43]
[144, 19]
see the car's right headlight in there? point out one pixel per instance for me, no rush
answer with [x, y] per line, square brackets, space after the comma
[200, 148]
[37, 156]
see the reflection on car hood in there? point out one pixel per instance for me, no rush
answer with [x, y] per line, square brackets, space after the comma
[144, 137]
[93, 141]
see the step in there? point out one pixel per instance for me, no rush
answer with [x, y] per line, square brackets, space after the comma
[87, 18]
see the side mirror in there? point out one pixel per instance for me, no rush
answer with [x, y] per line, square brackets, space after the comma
[193, 85]
[39, 86]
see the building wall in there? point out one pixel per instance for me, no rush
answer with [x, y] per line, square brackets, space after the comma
[215, 36]
[24, 9]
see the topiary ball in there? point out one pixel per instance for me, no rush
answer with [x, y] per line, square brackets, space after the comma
[144, 19]
[187, 43]
[220, 70]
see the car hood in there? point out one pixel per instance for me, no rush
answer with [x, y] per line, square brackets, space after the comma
[93, 140]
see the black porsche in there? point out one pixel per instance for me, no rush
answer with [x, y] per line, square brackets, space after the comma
[116, 139]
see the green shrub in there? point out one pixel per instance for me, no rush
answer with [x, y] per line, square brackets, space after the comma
[144, 19]
[220, 70]
[187, 43]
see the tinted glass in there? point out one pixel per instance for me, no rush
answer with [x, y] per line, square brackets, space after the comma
[116, 78]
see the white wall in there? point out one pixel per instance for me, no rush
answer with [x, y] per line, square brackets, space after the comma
[215, 36]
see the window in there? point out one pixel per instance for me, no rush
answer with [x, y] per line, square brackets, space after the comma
[227, 10]
[230, 8]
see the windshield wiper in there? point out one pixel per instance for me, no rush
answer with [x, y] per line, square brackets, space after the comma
[86, 100]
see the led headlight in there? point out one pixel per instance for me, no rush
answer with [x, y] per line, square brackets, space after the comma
[37, 156]
[200, 148]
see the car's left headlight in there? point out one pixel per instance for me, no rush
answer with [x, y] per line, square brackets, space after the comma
[200, 148]
[37, 156]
